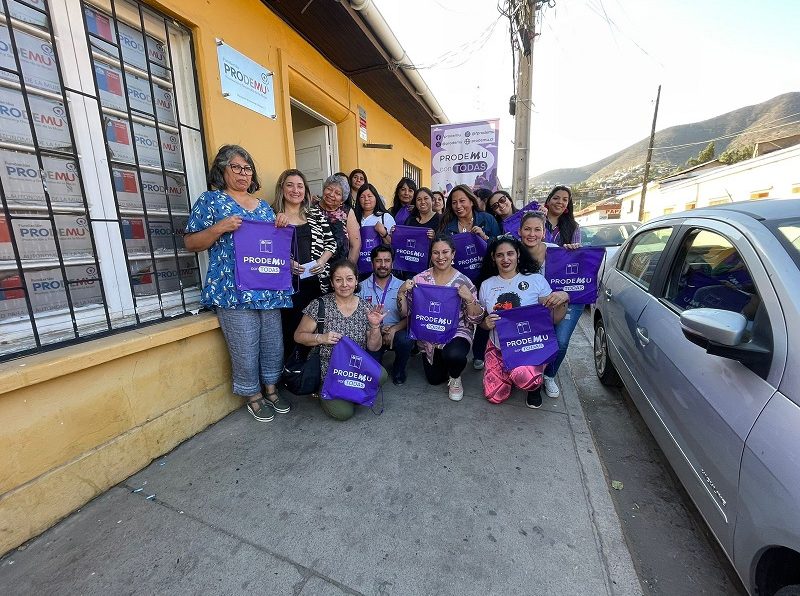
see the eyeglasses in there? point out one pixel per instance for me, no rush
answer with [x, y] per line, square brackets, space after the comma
[237, 169]
[494, 205]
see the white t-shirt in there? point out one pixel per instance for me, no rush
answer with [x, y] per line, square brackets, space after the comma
[386, 219]
[521, 290]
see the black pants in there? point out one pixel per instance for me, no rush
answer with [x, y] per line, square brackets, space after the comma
[448, 363]
[290, 317]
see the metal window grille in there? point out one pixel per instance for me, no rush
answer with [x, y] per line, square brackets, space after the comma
[100, 149]
[412, 171]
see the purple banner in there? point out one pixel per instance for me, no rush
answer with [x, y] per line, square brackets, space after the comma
[512, 222]
[352, 374]
[470, 250]
[575, 272]
[527, 336]
[464, 153]
[369, 240]
[411, 248]
[262, 255]
[434, 315]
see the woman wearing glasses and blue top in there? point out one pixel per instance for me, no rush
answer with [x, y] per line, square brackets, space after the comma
[250, 319]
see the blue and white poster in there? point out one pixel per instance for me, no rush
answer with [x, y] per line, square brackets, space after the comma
[244, 81]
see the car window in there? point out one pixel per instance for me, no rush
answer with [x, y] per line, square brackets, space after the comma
[644, 253]
[602, 235]
[710, 273]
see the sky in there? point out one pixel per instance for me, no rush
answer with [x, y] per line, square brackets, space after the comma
[597, 66]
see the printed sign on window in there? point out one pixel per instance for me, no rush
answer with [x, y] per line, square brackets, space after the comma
[119, 138]
[35, 237]
[38, 61]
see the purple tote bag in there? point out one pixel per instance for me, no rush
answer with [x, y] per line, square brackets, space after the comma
[527, 336]
[574, 271]
[353, 374]
[411, 248]
[262, 254]
[470, 250]
[369, 240]
[435, 311]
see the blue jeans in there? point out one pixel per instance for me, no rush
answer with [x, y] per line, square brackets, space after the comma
[564, 331]
[401, 345]
[255, 343]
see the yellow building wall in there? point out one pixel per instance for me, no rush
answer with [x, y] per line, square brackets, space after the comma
[78, 420]
[301, 73]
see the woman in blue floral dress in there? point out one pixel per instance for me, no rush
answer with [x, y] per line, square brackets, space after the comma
[250, 319]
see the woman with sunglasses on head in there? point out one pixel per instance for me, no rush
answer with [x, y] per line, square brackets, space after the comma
[316, 245]
[532, 231]
[446, 362]
[501, 205]
[250, 319]
[403, 201]
[511, 279]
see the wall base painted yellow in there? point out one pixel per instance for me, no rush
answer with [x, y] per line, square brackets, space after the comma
[79, 420]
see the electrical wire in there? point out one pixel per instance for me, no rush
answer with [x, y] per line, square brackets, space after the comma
[735, 134]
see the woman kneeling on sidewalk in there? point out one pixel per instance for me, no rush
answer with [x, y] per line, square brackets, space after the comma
[345, 314]
[511, 280]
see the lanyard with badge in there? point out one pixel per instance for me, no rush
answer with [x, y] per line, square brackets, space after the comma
[385, 290]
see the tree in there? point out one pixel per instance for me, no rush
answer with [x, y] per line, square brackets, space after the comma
[704, 156]
[736, 155]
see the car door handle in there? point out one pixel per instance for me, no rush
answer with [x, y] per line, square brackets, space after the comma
[609, 294]
[642, 333]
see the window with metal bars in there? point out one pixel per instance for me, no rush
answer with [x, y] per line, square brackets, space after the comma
[412, 171]
[100, 149]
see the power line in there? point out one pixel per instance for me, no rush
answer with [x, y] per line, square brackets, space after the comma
[734, 134]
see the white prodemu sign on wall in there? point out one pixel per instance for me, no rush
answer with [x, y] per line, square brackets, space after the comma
[244, 81]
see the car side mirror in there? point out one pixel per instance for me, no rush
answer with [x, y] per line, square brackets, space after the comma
[720, 332]
[722, 327]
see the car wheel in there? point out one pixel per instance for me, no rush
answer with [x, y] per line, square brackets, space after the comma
[789, 591]
[602, 365]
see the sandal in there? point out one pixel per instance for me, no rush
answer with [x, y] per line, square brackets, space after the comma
[264, 413]
[282, 406]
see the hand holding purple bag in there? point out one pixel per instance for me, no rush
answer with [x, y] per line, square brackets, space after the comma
[574, 272]
[353, 374]
[526, 335]
[369, 240]
[470, 250]
[411, 248]
[262, 256]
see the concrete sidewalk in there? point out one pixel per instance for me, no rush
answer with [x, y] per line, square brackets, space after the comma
[432, 497]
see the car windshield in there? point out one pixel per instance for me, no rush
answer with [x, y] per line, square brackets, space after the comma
[788, 232]
[606, 234]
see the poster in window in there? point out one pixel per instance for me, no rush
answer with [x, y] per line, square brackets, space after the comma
[99, 24]
[133, 231]
[132, 44]
[157, 53]
[25, 14]
[109, 85]
[143, 278]
[6, 248]
[63, 182]
[35, 237]
[165, 105]
[14, 125]
[38, 62]
[177, 193]
[6, 56]
[22, 183]
[139, 94]
[119, 139]
[50, 120]
[161, 235]
[155, 193]
[127, 188]
[12, 295]
[146, 145]
[171, 146]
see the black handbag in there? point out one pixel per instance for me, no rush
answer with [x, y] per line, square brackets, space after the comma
[302, 375]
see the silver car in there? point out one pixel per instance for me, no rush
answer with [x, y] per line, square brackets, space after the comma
[698, 315]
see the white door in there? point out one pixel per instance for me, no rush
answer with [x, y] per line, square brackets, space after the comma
[312, 150]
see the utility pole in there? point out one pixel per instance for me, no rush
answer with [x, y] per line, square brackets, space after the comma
[649, 156]
[525, 17]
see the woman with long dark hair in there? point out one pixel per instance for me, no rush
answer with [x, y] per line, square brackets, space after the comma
[403, 201]
[560, 225]
[511, 279]
[422, 214]
[357, 179]
[370, 211]
[501, 205]
[532, 231]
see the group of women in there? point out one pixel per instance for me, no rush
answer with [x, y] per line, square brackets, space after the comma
[327, 230]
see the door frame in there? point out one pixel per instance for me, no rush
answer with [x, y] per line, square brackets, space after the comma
[332, 131]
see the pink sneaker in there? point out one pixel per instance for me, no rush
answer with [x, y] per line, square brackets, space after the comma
[455, 390]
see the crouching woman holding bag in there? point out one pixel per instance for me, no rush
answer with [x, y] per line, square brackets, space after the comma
[345, 315]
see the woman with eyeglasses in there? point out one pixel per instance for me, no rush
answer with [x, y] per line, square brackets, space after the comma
[250, 319]
[501, 205]
[316, 245]
[532, 232]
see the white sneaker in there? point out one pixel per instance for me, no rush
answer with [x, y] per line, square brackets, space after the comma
[455, 390]
[551, 387]
[478, 364]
